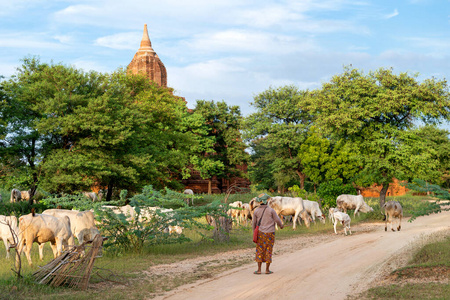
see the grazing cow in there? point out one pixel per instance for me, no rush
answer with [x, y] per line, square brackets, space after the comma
[312, 207]
[393, 209]
[40, 228]
[191, 193]
[235, 210]
[91, 195]
[25, 195]
[15, 195]
[340, 217]
[148, 213]
[357, 203]
[82, 223]
[289, 206]
[8, 231]
[245, 213]
[126, 210]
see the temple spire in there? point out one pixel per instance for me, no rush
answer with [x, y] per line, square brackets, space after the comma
[146, 45]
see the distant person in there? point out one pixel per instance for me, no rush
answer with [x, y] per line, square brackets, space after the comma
[266, 232]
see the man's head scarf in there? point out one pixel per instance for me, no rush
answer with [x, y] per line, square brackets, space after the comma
[262, 198]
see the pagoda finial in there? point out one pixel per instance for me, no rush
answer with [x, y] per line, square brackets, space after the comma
[146, 45]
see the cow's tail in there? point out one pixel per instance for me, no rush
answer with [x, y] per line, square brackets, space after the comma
[383, 211]
[33, 211]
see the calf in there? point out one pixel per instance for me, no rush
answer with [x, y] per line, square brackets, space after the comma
[341, 217]
[357, 203]
[15, 195]
[312, 207]
[235, 210]
[8, 231]
[40, 228]
[393, 209]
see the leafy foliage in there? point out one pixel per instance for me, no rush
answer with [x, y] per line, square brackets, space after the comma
[376, 112]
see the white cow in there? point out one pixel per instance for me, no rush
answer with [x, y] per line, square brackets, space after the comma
[15, 195]
[191, 194]
[340, 217]
[289, 206]
[82, 223]
[312, 207]
[40, 228]
[149, 212]
[392, 209]
[127, 210]
[357, 203]
[8, 231]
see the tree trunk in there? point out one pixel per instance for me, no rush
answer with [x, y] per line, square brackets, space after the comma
[302, 179]
[109, 192]
[383, 193]
[222, 228]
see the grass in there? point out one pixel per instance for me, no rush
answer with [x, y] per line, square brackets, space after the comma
[122, 276]
[425, 276]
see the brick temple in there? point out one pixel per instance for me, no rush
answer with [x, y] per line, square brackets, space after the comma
[147, 62]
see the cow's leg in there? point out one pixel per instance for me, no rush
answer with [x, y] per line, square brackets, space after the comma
[5, 241]
[28, 251]
[349, 228]
[399, 223]
[41, 251]
[54, 249]
[294, 221]
[335, 223]
[391, 221]
[305, 217]
[385, 223]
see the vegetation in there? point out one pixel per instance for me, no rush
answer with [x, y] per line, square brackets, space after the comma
[430, 264]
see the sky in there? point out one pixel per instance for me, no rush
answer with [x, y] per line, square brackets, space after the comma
[232, 50]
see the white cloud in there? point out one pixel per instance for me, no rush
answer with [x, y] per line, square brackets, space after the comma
[391, 15]
[26, 40]
[121, 41]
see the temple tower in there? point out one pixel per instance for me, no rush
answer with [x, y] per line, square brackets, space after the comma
[147, 62]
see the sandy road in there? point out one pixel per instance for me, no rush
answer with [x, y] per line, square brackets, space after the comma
[329, 270]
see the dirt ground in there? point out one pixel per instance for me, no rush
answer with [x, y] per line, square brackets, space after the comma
[308, 267]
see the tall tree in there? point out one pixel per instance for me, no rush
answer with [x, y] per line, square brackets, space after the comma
[326, 160]
[91, 129]
[224, 124]
[281, 125]
[376, 112]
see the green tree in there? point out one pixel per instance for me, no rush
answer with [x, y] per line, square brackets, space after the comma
[86, 129]
[281, 125]
[376, 113]
[228, 149]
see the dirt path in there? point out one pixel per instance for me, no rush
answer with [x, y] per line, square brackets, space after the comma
[324, 267]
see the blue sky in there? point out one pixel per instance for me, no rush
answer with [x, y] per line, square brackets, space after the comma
[232, 49]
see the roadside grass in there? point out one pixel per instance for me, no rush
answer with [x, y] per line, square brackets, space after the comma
[123, 276]
[426, 275]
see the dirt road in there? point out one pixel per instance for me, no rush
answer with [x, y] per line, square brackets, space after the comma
[331, 269]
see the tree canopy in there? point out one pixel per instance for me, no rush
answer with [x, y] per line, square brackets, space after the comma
[377, 112]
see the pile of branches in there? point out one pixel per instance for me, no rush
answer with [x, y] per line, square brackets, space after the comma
[72, 268]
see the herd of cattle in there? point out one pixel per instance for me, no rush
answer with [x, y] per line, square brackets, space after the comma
[301, 209]
[60, 227]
